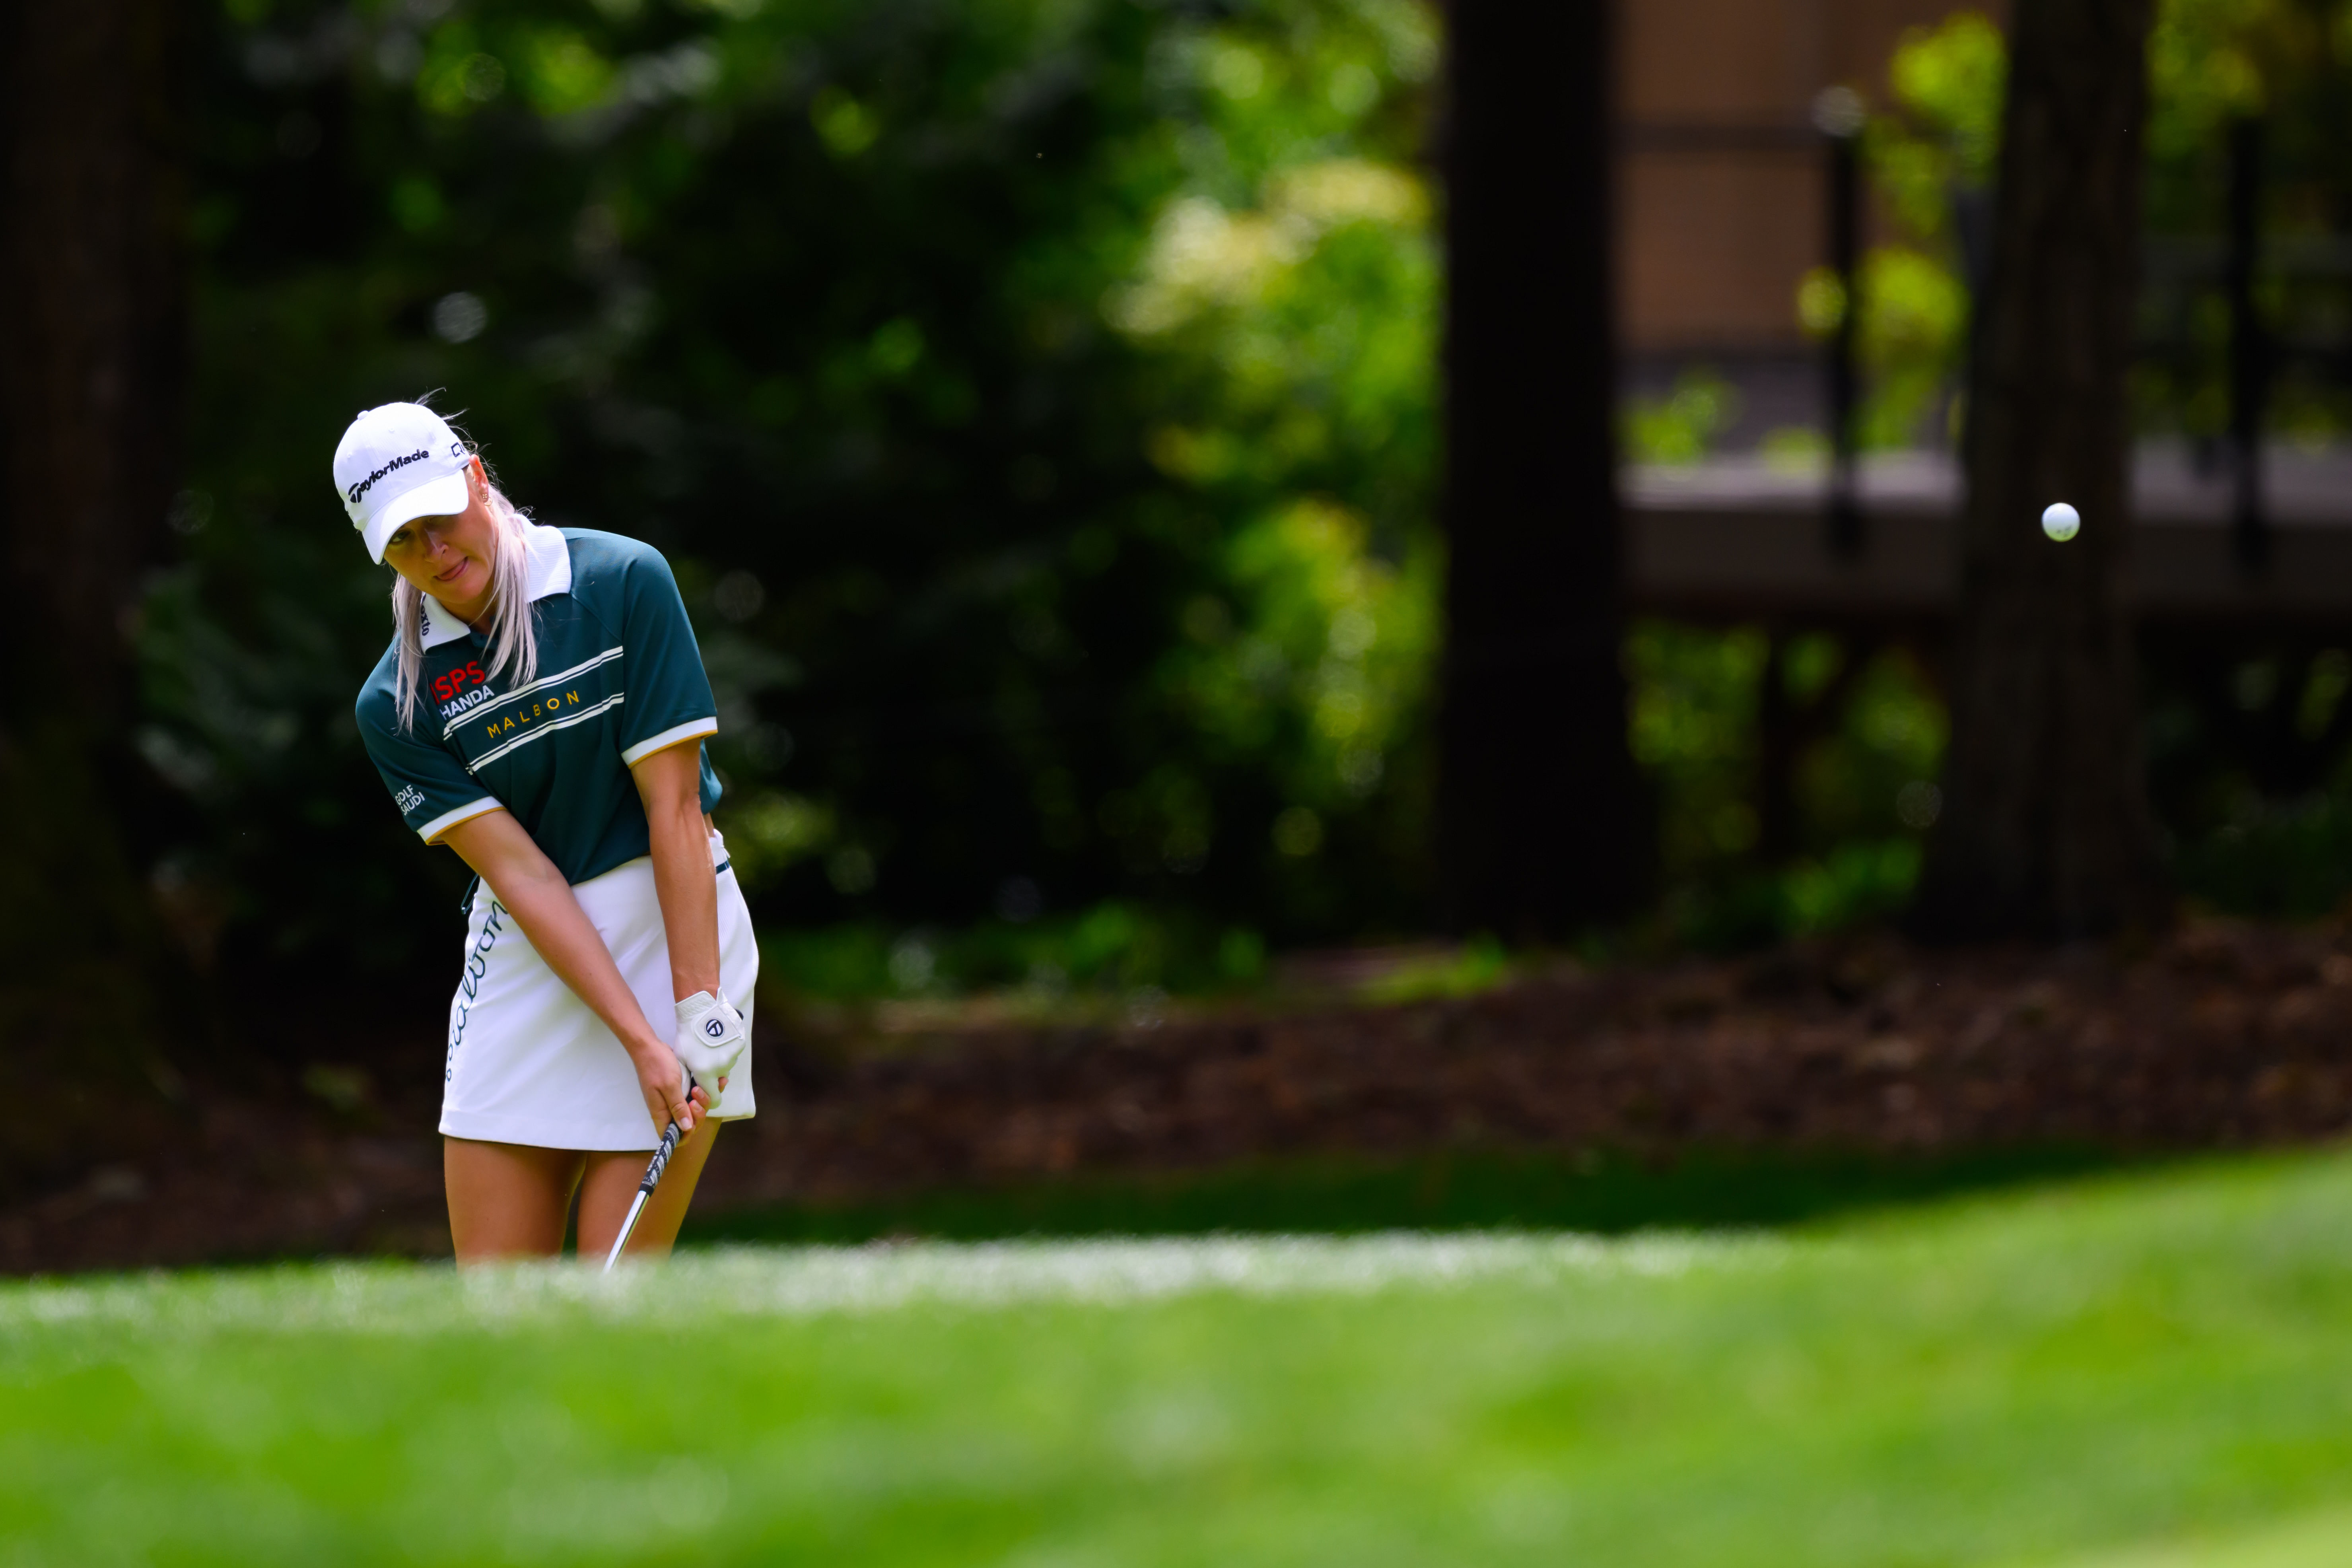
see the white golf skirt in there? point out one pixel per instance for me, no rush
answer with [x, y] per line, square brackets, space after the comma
[530, 1063]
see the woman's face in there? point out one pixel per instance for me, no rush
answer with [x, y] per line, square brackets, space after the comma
[449, 557]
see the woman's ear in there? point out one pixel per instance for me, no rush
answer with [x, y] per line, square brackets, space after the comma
[476, 481]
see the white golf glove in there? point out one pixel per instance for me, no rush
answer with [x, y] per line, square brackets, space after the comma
[710, 1039]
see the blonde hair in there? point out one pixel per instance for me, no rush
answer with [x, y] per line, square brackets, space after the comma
[514, 638]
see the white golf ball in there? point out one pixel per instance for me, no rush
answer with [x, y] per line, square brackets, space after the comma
[2061, 522]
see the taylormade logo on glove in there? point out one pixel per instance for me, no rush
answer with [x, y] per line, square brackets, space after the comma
[711, 1040]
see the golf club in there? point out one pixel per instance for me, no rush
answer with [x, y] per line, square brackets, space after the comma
[645, 1190]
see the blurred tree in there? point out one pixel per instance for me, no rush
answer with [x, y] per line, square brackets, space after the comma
[2048, 831]
[91, 285]
[1542, 825]
[2212, 65]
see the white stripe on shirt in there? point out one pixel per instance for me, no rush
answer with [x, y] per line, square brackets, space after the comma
[541, 728]
[609, 655]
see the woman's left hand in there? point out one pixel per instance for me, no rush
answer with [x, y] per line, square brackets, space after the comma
[710, 1039]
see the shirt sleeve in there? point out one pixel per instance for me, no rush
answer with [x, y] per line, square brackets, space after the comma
[669, 695]
[430, 787]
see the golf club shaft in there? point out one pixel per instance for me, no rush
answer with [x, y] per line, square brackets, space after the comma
[645, 1190]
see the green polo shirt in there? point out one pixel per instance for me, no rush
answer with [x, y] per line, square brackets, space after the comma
[619, 679]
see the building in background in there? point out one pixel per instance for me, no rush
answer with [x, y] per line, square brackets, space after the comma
[1722, 188]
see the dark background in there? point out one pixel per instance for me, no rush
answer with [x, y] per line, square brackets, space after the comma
[1041, 404]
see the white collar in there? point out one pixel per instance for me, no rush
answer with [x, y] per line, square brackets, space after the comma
[546, 569]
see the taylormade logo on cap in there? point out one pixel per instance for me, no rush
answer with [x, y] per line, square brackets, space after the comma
[363, 488]
[398, 463]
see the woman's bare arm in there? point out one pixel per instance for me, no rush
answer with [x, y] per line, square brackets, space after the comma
[670, 783]
[526, 882]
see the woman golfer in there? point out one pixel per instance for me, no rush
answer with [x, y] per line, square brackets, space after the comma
[541, 712]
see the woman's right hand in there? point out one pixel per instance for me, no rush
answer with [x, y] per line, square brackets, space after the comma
[661, 1078]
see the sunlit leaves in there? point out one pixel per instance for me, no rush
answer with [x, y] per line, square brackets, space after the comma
[1914, 330]
[1939, 138]
[2212, 59]
[847, 126]
[1822, 301]
[1293, 279]
[1234, 69]
[564, 74]
[1325, 644]
[1678, 428]
[1335, 191]
[459, 76]
[1949, 81]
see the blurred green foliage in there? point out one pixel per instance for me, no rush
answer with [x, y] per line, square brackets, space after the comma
[2249, 757]
[1680, 427]
[1115, 957]
[1038, 401]
[2249, 744]
[2248, 750]
[1929, 154]
[1034, 398]
[1127, 953]
[1867, 740]
[2287, 66]
[1932, 154]
[2287, 859]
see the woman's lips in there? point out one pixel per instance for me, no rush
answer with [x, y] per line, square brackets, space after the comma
[454, 572]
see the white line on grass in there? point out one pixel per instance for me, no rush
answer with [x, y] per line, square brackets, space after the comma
[805, 1281]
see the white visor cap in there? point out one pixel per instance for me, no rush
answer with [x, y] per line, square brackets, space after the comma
[395, 464]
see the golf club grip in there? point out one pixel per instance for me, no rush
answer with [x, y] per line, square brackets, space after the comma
[660, 1161]
[654, 1170]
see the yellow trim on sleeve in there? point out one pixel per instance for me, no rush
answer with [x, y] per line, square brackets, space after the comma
[466, 812]
[669, 738]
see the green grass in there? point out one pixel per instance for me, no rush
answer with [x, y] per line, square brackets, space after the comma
[2143, 1372]
[1596, 1191]
[2320, 1541]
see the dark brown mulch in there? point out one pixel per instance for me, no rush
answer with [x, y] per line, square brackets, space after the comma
[2218, 1036]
